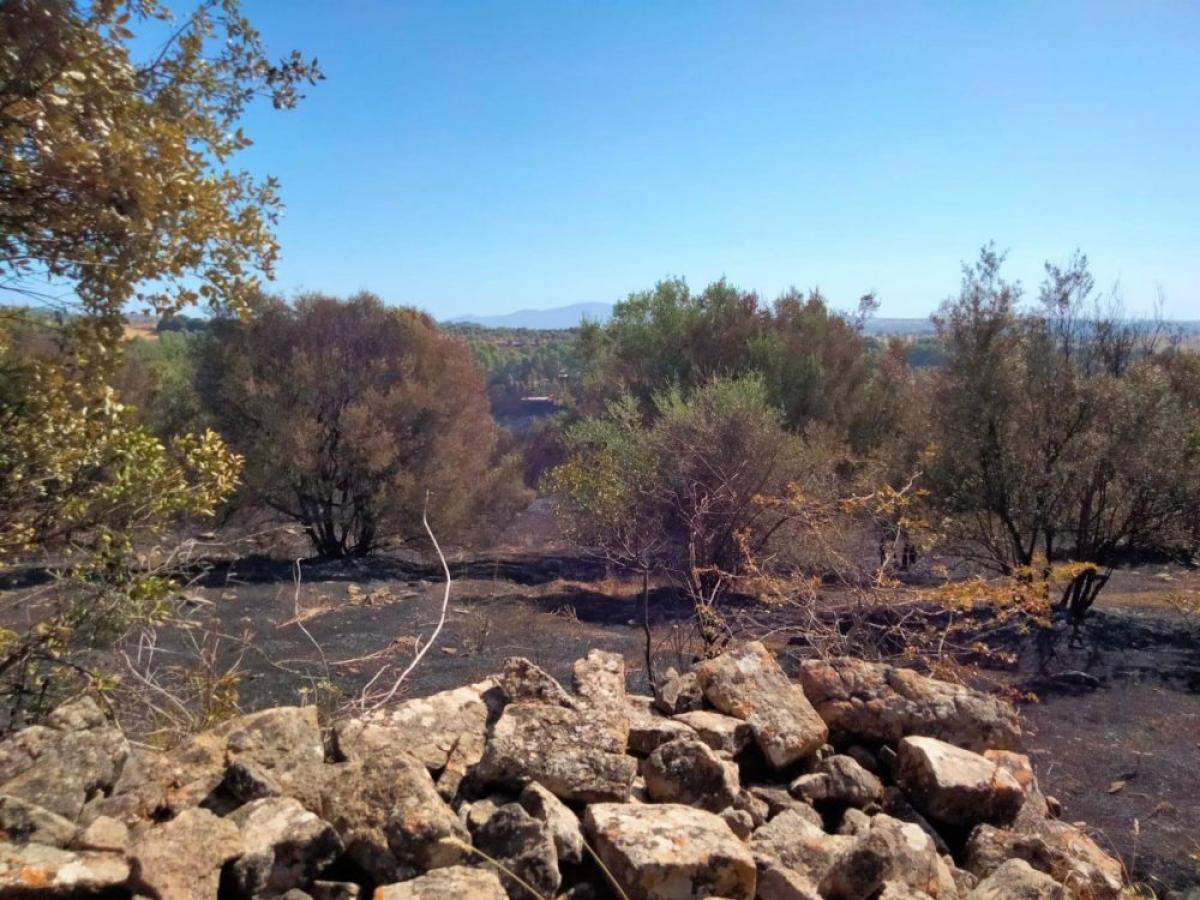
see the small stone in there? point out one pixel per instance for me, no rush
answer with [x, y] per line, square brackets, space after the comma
[793, 841]
[575, 755]
[649, 729]
[740, 822]
[881, 704]
[679, 693]
[725, 734]
[445, 731]
[838, 780]
[390, 817]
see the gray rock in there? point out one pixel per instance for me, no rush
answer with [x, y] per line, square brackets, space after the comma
[889, 851]
[669, 851]
[747, 683]
[574, 754]
[725, 734]
[22, 822]
[1059, 850]
[649, 729]
[792, 841]
[841, 781]
[679, 693]
[524, 847]
[557, 816]
[60, 765]
[779, 800]
[182, 858]
[880, 703]
[285, 846]
[445, 731]
[522, 681]
[390, 817]
[688, 771]
[953, 785]
[453, 883]
[1015, 879]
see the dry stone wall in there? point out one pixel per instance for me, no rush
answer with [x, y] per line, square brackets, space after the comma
[857, 781]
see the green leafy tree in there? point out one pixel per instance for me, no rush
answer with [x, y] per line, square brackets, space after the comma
[116, 184]
[686, 493]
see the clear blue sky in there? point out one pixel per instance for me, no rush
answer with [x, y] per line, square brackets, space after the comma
[484, 157]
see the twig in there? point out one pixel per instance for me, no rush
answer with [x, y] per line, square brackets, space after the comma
[441, 619]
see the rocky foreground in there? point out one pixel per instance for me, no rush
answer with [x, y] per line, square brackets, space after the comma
[861, 781]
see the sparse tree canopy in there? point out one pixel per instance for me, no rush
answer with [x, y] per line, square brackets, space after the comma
[1058, 434]
[348, 412]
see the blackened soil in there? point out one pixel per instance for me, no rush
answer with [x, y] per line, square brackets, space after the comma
[1115, 734]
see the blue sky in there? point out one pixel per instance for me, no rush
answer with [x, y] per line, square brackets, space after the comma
[485, 157]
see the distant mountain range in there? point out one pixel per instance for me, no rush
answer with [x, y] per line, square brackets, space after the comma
[559, 317]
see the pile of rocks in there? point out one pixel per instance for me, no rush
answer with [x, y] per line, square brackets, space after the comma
[859, 781]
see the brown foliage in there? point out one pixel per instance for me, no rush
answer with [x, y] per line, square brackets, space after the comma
[349, 411]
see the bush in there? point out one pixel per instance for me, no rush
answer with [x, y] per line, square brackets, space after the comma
[350, 412]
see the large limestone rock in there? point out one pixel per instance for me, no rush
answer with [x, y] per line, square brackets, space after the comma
[688, 771]
[452, 883]
[182, 858]
[953, 785]
[58, 872]
[669, 851]
[1015, 879]
[881, 703]
[63, 763]
[524, 846]
[559, 819]
[285, 846]
[445, 731]
[390, 817]
[748, 684]
[575, 756]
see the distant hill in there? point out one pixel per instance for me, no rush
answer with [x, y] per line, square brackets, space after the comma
[559, 317]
